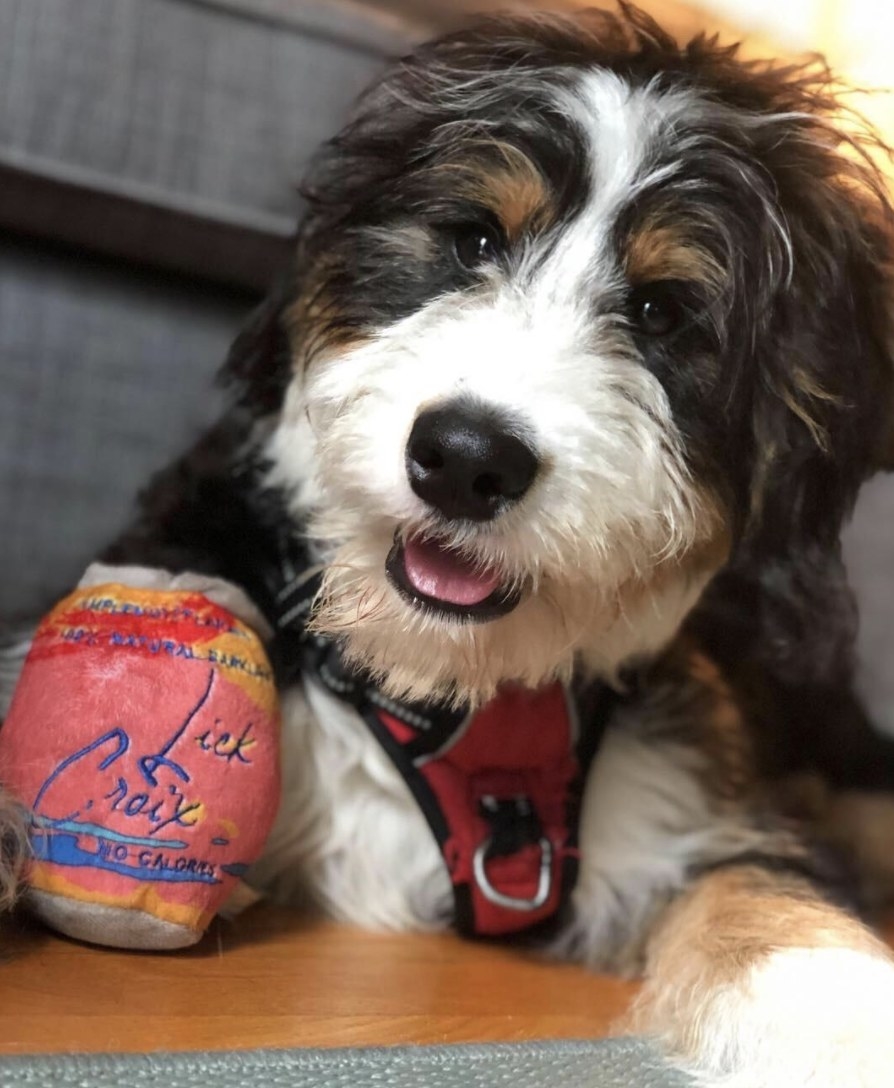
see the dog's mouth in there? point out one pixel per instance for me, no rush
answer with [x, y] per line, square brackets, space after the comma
[438, 579]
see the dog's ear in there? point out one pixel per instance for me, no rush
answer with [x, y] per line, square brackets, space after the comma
[822, 415]
[259, 363]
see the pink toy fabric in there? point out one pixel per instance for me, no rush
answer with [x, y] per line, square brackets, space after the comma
[144, 738]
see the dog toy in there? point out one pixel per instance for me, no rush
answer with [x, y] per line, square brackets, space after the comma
[143, 738]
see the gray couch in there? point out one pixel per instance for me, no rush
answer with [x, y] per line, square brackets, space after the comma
[149, 156]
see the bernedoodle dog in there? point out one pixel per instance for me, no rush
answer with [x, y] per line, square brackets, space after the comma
[536, 462]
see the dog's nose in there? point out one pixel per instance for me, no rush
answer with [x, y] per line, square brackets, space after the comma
[465, 461]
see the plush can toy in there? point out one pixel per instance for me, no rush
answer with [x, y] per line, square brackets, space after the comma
[143, 738]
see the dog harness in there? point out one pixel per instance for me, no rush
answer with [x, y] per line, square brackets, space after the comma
[499, 786]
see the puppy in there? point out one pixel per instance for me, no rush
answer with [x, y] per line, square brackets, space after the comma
[537, 461]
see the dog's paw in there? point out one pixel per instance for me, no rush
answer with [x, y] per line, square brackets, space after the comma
[802, 1018]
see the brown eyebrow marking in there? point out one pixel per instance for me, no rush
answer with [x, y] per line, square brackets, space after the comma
[313, 319]
[664, 251]
[502, 179]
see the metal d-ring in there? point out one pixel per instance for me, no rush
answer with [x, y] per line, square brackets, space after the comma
[510, 902]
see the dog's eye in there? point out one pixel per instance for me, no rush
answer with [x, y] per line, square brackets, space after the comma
[476, 244]
[655, 310]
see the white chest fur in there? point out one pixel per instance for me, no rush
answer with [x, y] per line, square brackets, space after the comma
[349, 835]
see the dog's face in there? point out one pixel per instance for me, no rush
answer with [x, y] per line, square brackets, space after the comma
[575, 314]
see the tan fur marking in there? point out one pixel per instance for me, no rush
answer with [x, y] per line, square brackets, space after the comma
[729, 923]
[706, 555]
[800, 397]
[725, 736]
[510, 186]
[311, 327]
[735, 918]
[711, 938]
[663, 252]
[692, 705]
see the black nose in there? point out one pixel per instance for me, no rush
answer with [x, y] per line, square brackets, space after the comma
[466, 462]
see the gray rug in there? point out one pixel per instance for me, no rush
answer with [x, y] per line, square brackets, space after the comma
[612, 1063]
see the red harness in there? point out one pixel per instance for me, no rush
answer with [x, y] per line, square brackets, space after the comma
[500, 792]
[500, 787]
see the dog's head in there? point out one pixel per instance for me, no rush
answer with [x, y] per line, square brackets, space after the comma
[575, 313]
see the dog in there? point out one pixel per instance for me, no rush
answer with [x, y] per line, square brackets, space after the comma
[583, 355]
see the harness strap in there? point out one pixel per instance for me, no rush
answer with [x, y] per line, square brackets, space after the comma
[500, 794]
[500, 786]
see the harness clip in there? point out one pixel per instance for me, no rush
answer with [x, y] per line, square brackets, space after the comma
[515, 825]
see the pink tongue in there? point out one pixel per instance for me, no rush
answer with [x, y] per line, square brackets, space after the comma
[445, 575]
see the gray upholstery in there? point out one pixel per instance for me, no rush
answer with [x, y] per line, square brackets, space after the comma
[128, 116]
[105, 375]
[169, 133]
[614, 1063]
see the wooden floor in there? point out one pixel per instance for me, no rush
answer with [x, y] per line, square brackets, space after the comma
[274, 979]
